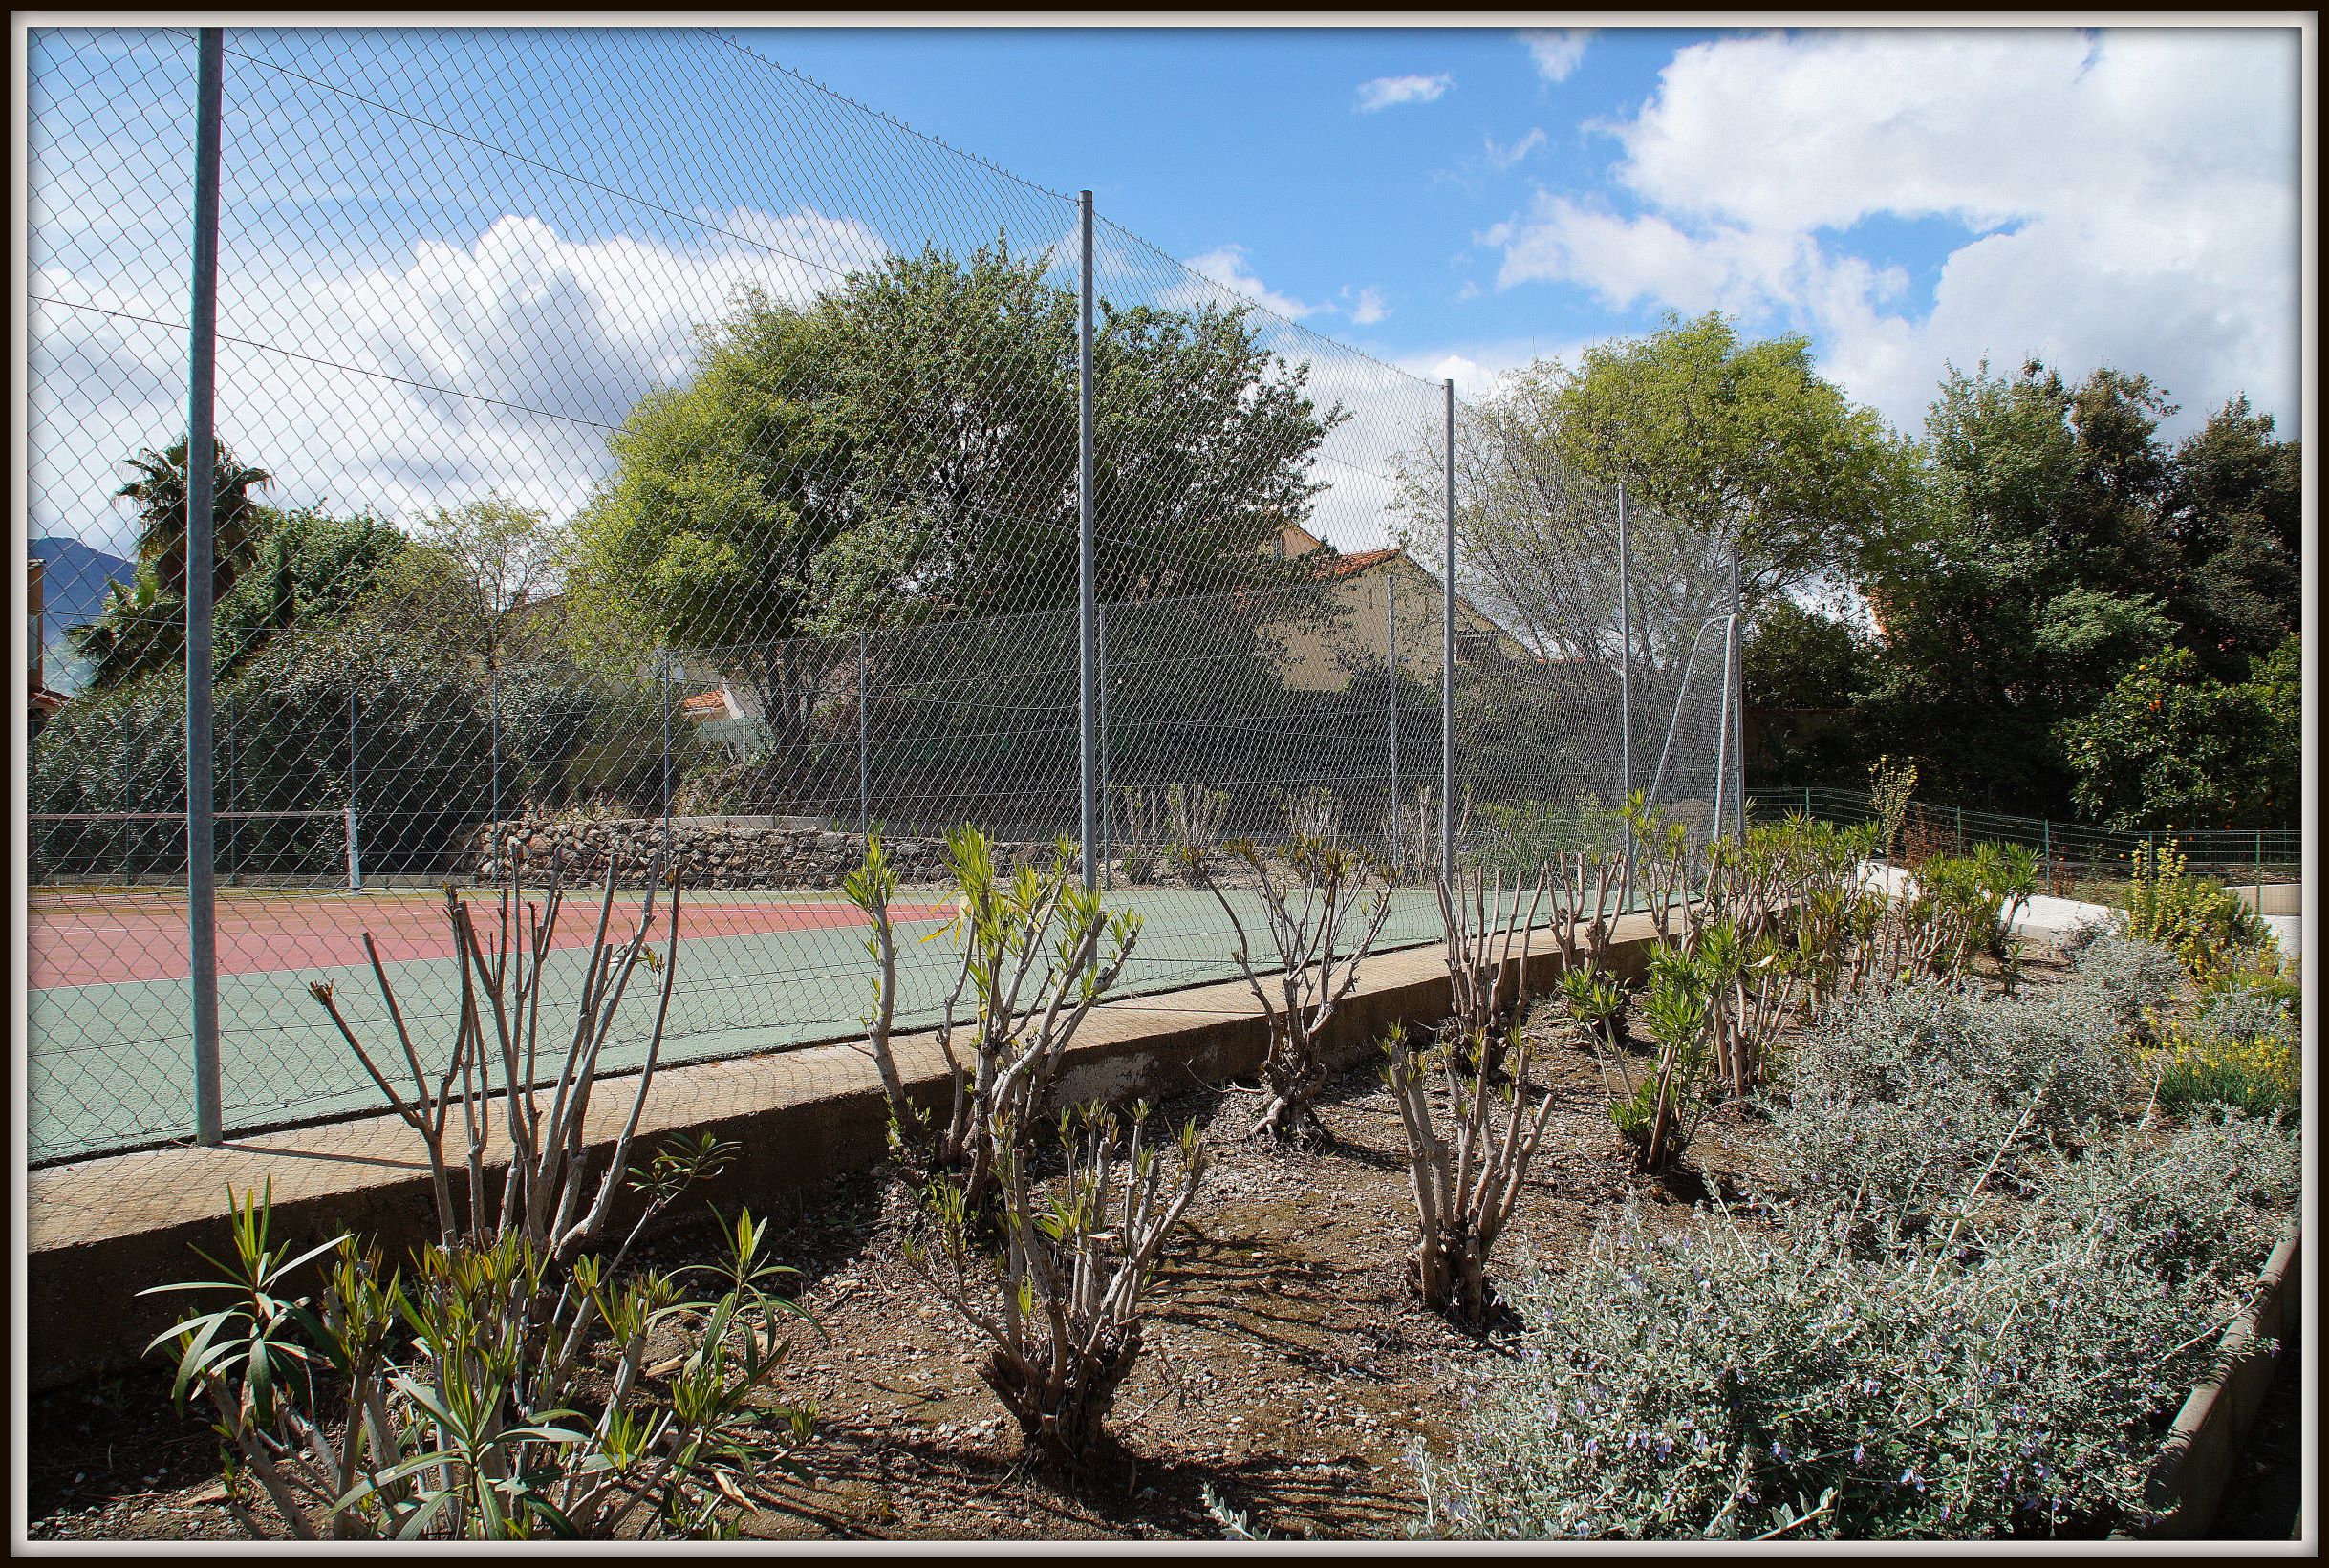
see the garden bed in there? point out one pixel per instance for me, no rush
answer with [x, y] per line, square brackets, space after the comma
[1290, 1369]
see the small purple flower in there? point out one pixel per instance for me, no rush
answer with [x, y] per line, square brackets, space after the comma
[1779, 1449]
[1860, 1453]
[1592, 1446]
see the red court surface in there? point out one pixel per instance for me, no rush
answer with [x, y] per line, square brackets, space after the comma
[110, 939]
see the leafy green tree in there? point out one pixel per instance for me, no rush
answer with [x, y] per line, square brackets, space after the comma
[1797, 657]
[904, 449]
[2170, 746]
[1739, 441]
[2234, 505]
[1715, 441]
[2028, 580]
[310, 571]
[159, 493]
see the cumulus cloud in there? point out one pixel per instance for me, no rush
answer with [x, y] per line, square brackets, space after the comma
[2128, 198]
[1368, 307]
[1505, 158]
[1386, 92]
[498, 360]
[1557, 52]
[1226, 266]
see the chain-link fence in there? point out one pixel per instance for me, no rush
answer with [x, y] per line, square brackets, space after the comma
[626, 446]
[2075, 856]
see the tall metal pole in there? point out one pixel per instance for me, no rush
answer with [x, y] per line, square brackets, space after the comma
[669, 672]
[865, 765]
[1722, 730]
[202, 891]
[1086, 596]
[1738, 707]
[1390, 664]
[1447, 659]
[1108, 818]
[1625, 688]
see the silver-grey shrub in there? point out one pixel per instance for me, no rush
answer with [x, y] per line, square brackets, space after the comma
[1728, 1383]
[1898, 1099]
[2136, 975]
[2246, 1016]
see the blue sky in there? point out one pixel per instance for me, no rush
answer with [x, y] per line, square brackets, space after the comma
[1254, 144]
[453, 258]
[1206, 138]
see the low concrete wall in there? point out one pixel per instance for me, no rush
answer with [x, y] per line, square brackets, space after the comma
[100, 1230]
[2271, 897]
[2188, 1482]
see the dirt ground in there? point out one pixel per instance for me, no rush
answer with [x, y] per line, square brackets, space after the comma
[1287, 1365]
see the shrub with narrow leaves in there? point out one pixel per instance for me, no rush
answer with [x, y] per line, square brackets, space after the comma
[1059, 1300]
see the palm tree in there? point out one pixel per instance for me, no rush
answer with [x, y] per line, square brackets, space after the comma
[158, 492]
[143, 626]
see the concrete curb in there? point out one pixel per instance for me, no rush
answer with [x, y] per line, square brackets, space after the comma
[2188, 1479]
[100, 1231]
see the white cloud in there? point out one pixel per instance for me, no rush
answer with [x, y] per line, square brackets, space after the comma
[497, 361]
[2129, 198]
[1368, 307]
[1386, 92]
[1557, 52]
[1505, 158]
[1226, 266]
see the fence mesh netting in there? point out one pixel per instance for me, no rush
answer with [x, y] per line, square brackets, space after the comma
[628, 446]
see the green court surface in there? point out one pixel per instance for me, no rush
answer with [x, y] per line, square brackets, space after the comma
[110, 1062]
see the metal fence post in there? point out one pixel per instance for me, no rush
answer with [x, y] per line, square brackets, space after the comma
[1447, 659]
[864, 767]
[1087, 625]
[493, 718]
[129, 834]
[1625, 689]
[1737, 761]
[1108, 814]
[202, 889]
[1391, 666]
[670, 673]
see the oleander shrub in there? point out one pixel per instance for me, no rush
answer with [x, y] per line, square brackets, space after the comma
[2014, 1381]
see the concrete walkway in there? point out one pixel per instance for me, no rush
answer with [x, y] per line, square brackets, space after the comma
[2048, 916]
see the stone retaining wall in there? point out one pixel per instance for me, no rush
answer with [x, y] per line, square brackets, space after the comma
[732, 852]
[710, 852]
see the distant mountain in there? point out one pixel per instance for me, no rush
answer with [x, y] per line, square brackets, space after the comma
[73, 585]
[73, 582]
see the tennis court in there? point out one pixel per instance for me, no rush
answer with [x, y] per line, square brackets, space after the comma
[109, 1063]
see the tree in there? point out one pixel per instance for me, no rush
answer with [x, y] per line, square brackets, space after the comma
[1740, 443]
[2026, 582]
[2234, 504]
[481, 576]
[1713, 441]
[142, 624]
[1797, 657]
[159, 493]
[310, 571]
[2170, 746]
[904, 449]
